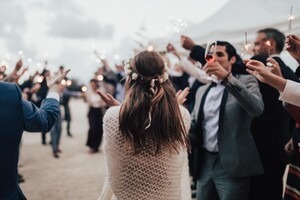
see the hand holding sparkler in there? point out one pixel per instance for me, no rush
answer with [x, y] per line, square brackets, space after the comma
[293, 46]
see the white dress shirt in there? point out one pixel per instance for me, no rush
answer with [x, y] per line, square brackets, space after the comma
[53, 95]
[193, 70]
[211, 110]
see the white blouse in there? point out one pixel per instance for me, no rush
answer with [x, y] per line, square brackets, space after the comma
[291, 93]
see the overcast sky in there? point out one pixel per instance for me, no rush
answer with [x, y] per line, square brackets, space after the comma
[64, 31]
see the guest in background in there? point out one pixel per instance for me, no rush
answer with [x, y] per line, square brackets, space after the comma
[41, 95]
[67, 94]
[95, 114]
[55, 132]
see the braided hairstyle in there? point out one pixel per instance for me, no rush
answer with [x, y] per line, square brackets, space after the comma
[151, 111]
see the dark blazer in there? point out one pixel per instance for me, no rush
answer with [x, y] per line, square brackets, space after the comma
[272, 129]
[17, 115]
[240, 103]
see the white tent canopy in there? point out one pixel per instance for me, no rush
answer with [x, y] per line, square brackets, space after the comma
[239, 16]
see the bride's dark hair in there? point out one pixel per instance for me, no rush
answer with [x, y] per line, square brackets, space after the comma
[150, 112]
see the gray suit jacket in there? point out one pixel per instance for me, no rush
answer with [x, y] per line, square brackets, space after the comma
[240, 103]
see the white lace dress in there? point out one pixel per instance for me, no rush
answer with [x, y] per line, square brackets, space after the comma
[144, 176]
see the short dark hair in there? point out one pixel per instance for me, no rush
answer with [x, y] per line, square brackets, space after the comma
[230, 50]
[94, 81]
[272, 33]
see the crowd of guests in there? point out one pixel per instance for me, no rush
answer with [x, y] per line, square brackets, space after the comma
[241, 135]
[168, 121]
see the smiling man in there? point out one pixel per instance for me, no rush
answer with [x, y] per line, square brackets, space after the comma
[270, 130]
[227, 155]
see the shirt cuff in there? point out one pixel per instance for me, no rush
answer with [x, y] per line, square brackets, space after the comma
[53, 95]
[288, 91]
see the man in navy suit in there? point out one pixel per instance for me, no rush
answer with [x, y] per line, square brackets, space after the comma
[17, 115]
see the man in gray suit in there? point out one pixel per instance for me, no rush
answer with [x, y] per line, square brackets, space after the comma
[223, 112]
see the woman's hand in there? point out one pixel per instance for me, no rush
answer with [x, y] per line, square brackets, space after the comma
[293, 46]
[181, 95]
[108, 99]
[274, 67]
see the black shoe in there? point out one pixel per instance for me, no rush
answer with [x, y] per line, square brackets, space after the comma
[92, 151]
[69, 134]
[55, 154]
[20, 179]
[194, 194]
[193, 186]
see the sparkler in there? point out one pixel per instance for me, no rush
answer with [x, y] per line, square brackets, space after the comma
[291, 17]
[247, 45]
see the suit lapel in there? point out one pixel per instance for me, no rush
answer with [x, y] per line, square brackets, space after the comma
[222, 108]
[200, 117]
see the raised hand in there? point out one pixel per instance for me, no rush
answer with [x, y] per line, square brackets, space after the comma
[171, 49]
[274, 67]
[108, 99]
[214, 68]
[182, 94]
[293, 46]
[258, 69]
[18, 65]
[187, 43]
[289, 147]
[56, 80]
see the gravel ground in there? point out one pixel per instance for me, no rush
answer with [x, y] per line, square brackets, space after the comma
[75, 175]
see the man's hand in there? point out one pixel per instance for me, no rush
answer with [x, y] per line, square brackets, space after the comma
[18, 65]
[214, 68]
[108, 99]
[288, 148]
[293, 47]
[187, 43]
[53, 84]
[58, 78]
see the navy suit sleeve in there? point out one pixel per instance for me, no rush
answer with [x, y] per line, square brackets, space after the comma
[286, 72]
[197, 54]
[297, 72]
[39, 119]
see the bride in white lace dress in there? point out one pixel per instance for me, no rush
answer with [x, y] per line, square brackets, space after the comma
[146, 137]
